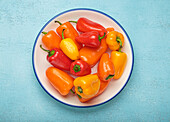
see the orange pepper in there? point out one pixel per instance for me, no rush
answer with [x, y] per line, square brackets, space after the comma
[105, 68]
[103, 86]
[110, 29]
[115, 40]
[61, 81]
[92, 55]
[51, 40]
[69, 32]
[119, 60]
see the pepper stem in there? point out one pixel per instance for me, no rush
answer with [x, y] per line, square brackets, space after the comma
[119, 41]
[50, 53]
[101, 37]
[58, 22]
[76, 68]
[120, 49]
[73, 21]
[63, 34]
[72, 91]
[109, 77]
[80, 89]
[44, 32]
[79, 96]
[44, 49]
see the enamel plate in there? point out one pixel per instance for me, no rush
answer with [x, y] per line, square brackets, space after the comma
[40, 63]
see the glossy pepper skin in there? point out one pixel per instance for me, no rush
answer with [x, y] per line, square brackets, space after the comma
[87, 86]
[80, 68]
[60, 80]
[69, 48]
[86, 25]
[110, 29]
[119, 60]
[90, 39]
[58, 59]
[92, 55]
[69, 32]
[105, 68]
[115, 40]
[103, 86]
[51, 40]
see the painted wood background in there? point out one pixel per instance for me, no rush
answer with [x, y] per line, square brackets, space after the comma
[146, 96]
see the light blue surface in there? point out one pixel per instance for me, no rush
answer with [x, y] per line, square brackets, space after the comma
[145, 98]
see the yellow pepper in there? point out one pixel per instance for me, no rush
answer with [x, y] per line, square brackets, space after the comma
[115, 40]
[87, 86]
[119, 60]
[69, 48]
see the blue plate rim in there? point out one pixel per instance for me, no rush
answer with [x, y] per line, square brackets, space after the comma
[89, 10]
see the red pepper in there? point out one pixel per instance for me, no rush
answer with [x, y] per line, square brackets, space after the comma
[58, 59]
[86, 25]
[80, 68]
[90, 39]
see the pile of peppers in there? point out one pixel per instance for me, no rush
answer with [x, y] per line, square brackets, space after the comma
[76, 50]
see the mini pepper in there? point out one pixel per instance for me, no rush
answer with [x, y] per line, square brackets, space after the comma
[92, 55]
[58, 59]
[115, 40]
[87, 86]
[105, 68]
[86, 25]
[90, 39]
[109, 29]
[119, 60]
[80, 68]
[103, 86]
[51, 40]
[69, 48]
[69, 32]
[61, 81]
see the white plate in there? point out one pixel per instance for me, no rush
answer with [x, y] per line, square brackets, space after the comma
[40, 64]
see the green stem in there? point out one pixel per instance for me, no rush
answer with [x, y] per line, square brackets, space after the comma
[73, 21]
[101, 37]
[44, 49]
[50, 53]
[119, 41]
[120, 49]
[63, 34]
[79, 96]
[76, 68]
[72, 91]
[109, 77]
[44, 32]
[58, 22]
[80, 89]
